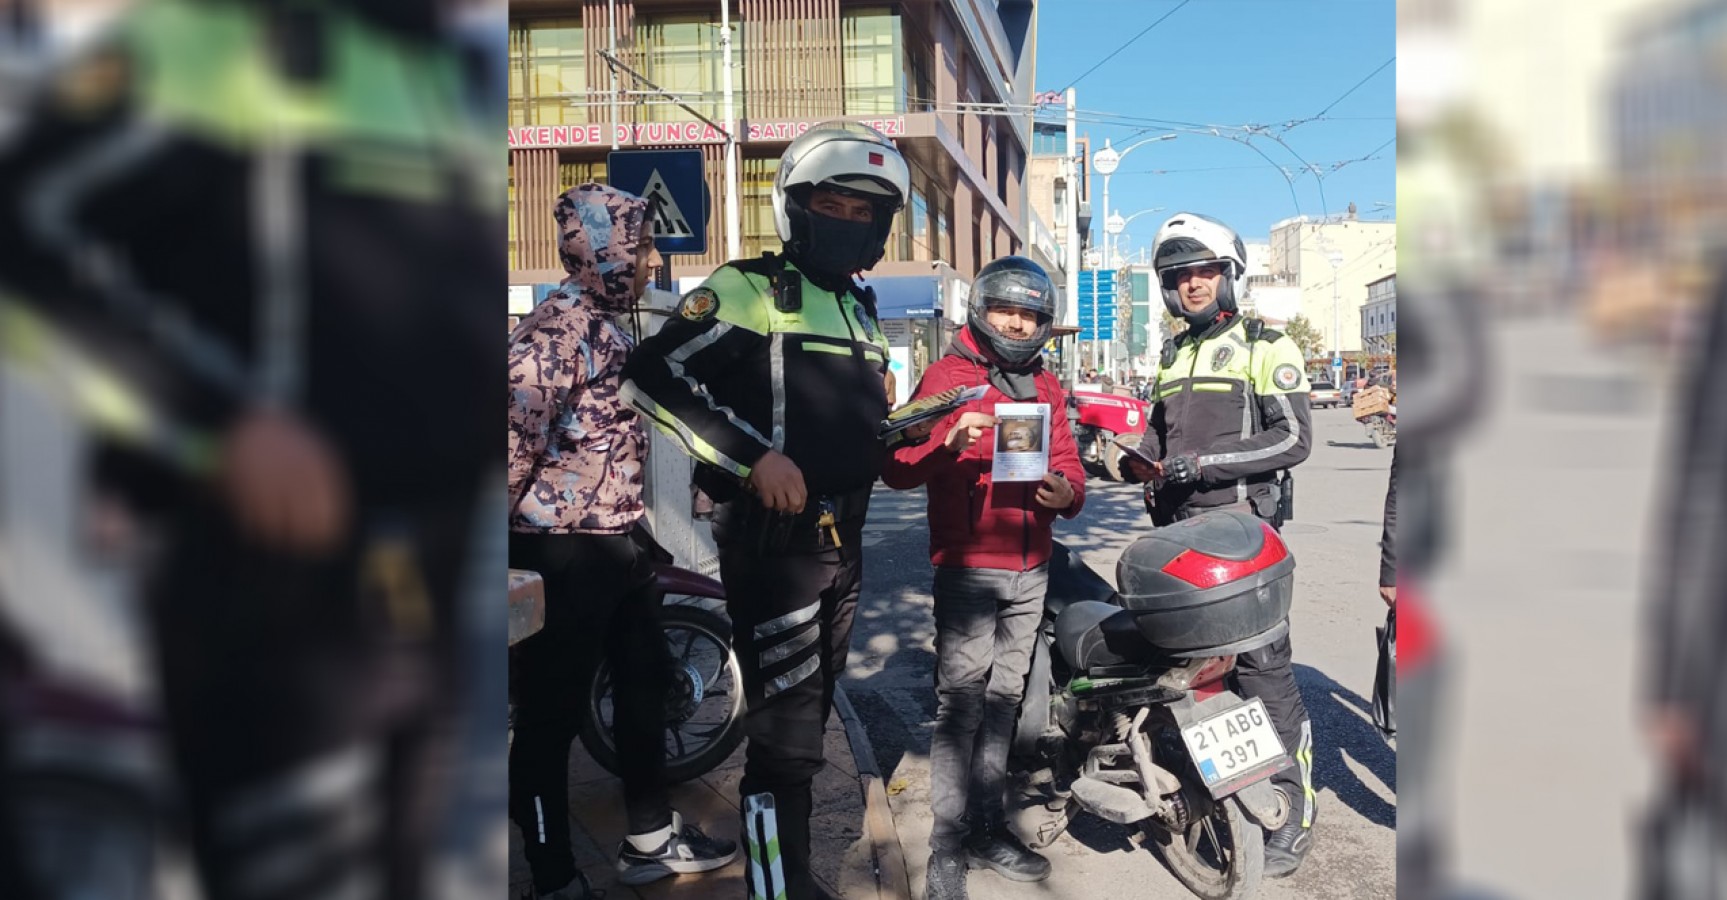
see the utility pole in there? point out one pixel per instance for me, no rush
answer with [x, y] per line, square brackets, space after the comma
[612, 46]
[1072, 171]
[734, 240]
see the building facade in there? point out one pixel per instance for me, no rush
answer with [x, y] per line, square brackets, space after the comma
[921, 71]
[1379, 318]
[1301, 257]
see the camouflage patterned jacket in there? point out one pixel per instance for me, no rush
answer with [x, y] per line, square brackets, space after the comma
[576, 450]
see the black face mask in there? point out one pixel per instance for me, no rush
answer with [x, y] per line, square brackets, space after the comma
[837, 248]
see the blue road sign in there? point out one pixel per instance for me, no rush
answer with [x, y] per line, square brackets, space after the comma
[675, 179]
[1096, 295]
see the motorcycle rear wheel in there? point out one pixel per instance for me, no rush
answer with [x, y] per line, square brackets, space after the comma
[704, 717]
[1220, 857]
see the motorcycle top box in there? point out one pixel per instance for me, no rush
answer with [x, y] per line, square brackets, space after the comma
[1220, 582]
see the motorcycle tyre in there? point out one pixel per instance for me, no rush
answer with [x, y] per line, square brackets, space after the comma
[1246, 871]
[1112, 458]
[720, 749]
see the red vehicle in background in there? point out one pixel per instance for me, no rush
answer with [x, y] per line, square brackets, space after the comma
[1098, 416]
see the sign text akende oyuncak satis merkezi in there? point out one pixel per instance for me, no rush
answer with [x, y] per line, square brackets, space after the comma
[660, 134]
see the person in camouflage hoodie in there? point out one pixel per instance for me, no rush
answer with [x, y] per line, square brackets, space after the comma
[576, 453]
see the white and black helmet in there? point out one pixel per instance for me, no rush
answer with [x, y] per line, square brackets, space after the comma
[847, 158]
[1017, 282]
[1190, 239]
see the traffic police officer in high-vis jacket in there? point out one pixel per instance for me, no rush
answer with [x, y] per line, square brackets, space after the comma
[770, 374]
[1229, 417]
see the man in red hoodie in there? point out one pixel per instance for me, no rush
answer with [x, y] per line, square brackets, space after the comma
[990, 544]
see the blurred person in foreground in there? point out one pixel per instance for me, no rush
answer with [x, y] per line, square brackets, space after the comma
[1687, 715]
[770, 374]
[1444, 241]
[991, 569]
[576, 458]
[1225, 449]
[293, 304]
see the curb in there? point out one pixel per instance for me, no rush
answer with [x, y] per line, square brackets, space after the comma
[893, 879]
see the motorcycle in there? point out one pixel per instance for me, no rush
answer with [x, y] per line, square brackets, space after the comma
[1131, 712]
[1097, 419]
[704, 709]
[1375, 409]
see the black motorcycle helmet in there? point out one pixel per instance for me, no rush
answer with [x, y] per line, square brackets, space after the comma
[1017, 282]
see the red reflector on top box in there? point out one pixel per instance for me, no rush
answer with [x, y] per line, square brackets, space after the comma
[876, 159]
[1203, 571]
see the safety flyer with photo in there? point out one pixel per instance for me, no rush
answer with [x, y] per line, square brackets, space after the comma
[1021, 442]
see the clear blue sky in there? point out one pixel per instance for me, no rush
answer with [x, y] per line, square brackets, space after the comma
[1230, 63]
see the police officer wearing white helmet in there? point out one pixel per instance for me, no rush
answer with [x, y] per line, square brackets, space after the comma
[770, 374]
[1229, 417]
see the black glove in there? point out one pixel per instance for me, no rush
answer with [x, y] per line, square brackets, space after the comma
[1181, 469]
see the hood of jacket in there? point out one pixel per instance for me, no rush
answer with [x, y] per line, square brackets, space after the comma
[600, 227]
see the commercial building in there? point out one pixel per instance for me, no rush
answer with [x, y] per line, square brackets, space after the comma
[1379, 318]
[934, 75]
[1331, 262]
[948, 80]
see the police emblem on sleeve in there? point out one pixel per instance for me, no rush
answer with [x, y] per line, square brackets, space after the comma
[1286, 377]
[699, 305]
[1222, 357]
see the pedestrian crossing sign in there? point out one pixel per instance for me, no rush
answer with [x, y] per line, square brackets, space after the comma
[676, 181]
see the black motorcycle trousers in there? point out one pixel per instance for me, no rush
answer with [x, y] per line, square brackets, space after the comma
[312, 702]
[600, 604]
[791, 604]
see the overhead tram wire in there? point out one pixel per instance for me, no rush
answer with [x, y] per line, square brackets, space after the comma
[1129, 43]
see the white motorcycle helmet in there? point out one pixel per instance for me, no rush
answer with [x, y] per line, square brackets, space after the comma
[846, 158]
[1190, 239]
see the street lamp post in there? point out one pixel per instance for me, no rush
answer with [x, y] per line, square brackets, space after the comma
[1113, 226]
[1107, 160]
[1336, 260]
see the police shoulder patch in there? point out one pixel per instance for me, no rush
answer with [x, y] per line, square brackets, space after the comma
[1286, 377]
[699, 305]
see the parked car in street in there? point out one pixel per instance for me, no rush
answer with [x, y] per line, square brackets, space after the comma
[1324, 393]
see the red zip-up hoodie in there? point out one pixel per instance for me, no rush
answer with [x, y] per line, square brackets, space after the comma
[973, 522]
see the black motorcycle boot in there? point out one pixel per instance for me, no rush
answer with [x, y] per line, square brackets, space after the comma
[1287, 847]
[992, 845]
[945, 878]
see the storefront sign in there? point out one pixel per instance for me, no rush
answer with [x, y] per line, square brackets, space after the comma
[667, 134]
[897, 332]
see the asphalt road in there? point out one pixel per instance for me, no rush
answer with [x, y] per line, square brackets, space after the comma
[1340, 497]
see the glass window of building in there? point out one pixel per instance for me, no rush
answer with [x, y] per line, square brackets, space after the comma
[756, 206]
[681, 53]
[514, 262]
[571, 174]
[919, 83]
[873, 62]
[914, 225]
[944, 229]
[548, 73]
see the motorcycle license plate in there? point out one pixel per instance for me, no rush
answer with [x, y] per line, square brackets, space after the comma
[1233, 743]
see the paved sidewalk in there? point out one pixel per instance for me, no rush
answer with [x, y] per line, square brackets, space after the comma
[856, 851]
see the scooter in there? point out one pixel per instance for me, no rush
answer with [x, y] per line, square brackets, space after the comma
[1131, 712]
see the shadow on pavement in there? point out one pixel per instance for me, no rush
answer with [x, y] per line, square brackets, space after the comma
[1343, 723]
[1354, 445]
